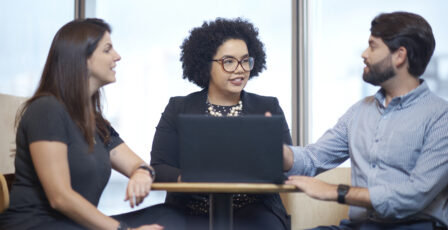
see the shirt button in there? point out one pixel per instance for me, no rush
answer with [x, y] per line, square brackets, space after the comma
[376, 140]
[373, 165]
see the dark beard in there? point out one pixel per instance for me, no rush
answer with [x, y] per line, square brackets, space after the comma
[379, 72]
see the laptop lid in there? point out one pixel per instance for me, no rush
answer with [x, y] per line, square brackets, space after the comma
[231, 149]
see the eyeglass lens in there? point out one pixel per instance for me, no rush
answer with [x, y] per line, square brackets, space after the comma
[230, 64]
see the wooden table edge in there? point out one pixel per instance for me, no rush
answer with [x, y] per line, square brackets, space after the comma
[196, 187]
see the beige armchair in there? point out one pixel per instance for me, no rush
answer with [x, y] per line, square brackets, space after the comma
[9, 106]
[309, 213]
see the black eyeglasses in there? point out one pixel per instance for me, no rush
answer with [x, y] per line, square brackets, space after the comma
[230, 64]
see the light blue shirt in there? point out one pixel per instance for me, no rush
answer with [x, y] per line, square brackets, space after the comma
[398, 152]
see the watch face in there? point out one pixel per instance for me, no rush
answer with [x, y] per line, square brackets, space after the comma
[342, 188]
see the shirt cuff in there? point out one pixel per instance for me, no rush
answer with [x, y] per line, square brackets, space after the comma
[297, 165]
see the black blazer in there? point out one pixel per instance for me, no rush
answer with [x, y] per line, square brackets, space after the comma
[165, 147]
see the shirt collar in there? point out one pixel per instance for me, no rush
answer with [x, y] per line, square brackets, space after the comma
[404, 100]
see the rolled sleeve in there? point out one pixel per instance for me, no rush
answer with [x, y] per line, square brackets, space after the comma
[328, 152]
[297, 166]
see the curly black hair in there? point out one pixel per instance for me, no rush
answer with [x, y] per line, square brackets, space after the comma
[198, 49]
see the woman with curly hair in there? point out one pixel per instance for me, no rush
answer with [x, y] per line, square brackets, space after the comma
[220, 57]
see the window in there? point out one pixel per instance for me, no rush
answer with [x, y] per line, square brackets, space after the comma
[28, 27]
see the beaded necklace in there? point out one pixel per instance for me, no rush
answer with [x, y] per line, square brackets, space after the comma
[219, 110]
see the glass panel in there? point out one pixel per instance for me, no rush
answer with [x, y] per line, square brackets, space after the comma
[28, 27]
[148, 35]
[339, 32]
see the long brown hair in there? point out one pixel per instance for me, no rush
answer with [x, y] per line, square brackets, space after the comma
[65, 76]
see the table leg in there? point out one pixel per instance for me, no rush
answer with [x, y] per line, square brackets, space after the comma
[221, 212]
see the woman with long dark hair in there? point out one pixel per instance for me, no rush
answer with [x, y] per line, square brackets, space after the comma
[66, 148]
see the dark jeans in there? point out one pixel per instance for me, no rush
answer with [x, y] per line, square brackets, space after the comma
[369, 225]
[164, 215]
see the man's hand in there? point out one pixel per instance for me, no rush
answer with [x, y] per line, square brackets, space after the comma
[320, 190]
[288, 158]
[314, 188]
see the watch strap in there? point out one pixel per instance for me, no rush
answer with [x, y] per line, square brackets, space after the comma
[342, 192]
[151, 171]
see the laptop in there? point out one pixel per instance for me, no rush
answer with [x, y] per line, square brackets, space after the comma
[245, 149]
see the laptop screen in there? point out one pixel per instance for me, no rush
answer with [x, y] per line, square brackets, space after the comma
[231, 149]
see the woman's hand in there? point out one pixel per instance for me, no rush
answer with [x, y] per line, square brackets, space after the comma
[139, 186]
[125, 161]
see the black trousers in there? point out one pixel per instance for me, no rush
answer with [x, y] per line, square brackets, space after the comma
[252, 217]
[162, 214]
[369, 225]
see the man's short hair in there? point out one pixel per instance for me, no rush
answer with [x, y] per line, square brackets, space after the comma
[403, 29]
